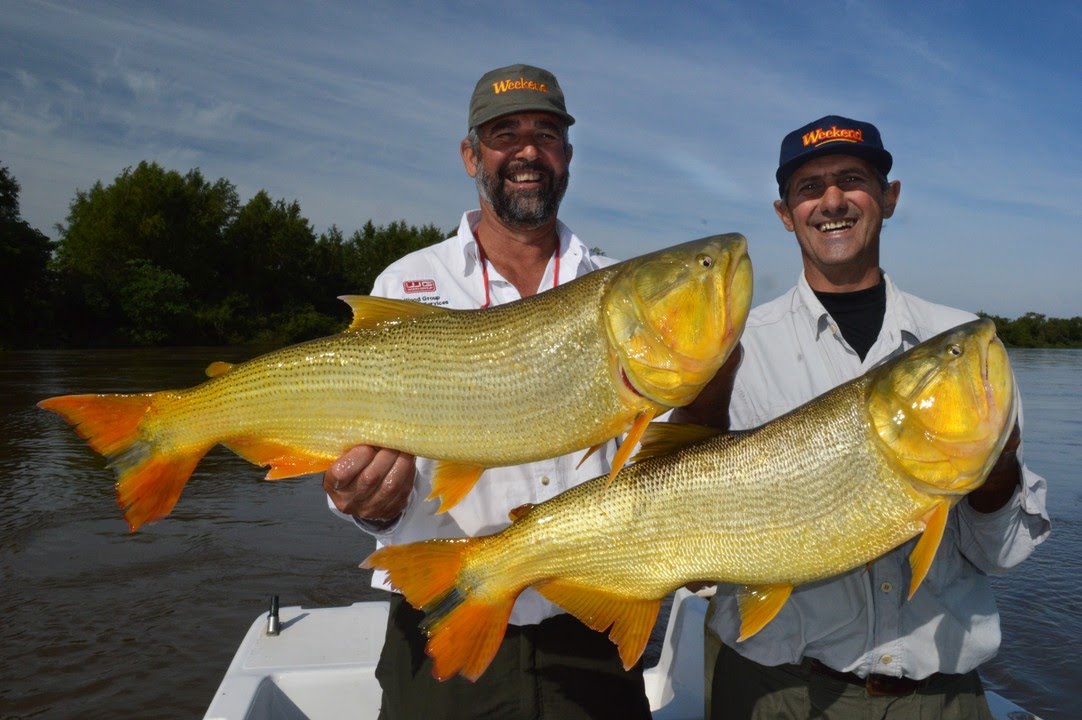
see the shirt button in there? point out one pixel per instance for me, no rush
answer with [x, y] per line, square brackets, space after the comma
[886, 587]
[886, 659]
[544, 479]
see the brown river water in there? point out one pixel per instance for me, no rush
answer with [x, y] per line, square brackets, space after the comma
[99, 622]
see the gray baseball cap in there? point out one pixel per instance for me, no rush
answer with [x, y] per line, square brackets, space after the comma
[516, 88]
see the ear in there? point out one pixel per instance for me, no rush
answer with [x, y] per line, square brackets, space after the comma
[890, 197]
[570, 152]
[469, 159]
[786, 217]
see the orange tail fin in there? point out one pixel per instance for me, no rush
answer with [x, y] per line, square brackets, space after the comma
[464, 630]
[149, 482]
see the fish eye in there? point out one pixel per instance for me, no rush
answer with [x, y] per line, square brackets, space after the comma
[705, 261]
[955, 350]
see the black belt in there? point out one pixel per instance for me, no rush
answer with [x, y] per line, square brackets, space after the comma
[875, 684]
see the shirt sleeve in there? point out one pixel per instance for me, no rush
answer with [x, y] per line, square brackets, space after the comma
[997, 541]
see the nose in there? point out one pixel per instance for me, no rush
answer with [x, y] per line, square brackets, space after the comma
[527, 150]
[833, 200]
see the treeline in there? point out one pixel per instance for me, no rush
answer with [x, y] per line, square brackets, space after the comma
[161, 258]
[1037, 331]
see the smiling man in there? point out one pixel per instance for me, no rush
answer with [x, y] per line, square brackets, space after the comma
[855, 646]
[513, 246]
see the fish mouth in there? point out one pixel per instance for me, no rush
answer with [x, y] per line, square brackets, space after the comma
[627, 383]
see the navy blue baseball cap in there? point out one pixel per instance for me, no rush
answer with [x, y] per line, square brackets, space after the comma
[831, 135]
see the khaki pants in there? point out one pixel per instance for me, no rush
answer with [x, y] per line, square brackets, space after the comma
[744, 690]
[558, 669]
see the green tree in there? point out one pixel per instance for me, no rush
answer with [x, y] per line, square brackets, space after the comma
[274, 262]
[25, 288]
[157, 218]
[373, 248]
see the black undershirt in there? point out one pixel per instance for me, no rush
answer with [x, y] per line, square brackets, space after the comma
[859, 315]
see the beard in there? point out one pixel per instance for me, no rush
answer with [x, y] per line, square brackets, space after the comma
[524, 209]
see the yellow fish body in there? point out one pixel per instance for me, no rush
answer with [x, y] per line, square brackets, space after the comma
[826, 488]
[564, 370]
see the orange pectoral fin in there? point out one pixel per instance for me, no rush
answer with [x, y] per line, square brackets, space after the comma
[631, 619]
[758, 606]
[920, 560]
[637, 429]
[590, 452]
[451, 482]
[284, 461]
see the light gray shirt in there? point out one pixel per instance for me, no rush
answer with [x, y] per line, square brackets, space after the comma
[861, 621]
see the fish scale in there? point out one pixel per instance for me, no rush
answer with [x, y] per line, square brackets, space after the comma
[561, 371]
[823, 489]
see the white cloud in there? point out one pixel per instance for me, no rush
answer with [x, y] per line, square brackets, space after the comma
[356, 110]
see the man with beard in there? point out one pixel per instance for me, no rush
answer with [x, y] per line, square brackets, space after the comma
[549, 664]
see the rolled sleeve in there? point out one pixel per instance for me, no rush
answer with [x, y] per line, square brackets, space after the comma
[997, 541]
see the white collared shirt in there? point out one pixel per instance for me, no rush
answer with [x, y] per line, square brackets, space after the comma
[861, 621]
[449, 274]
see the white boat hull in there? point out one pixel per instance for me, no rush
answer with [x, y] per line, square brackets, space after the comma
[322, 666]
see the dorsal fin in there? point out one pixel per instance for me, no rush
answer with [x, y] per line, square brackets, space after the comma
[662, 438]
[218, 368]
[370, 312]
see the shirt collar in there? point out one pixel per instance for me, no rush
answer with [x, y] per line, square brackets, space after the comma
[898, 323]
[573, 252]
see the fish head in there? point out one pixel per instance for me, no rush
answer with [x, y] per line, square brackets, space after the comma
[673, 316]
[944, 409]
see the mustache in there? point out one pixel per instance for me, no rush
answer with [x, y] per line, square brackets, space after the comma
[516, 166]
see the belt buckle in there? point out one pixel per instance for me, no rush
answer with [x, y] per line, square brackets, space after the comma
[888, 685]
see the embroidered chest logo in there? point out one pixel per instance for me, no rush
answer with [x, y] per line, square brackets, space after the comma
[418, 286]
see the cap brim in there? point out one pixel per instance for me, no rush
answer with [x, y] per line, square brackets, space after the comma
[880, 159]
[483, 118]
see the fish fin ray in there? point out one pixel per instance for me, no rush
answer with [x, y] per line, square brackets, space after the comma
[464, 630]
[642, 421]
[371, 312]
[758, 606]
[518, 512]
[218, 368]
[149, 479]
[108, 423]
[920, 560]
[284, 460]
[662, 438]
[423, 571]
[452, 481]
[590, 452]
[464, 638]
[630, 619]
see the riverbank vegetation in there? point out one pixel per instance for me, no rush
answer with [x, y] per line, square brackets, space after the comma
[161, 258]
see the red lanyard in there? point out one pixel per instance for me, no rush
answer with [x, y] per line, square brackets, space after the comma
[484, 268]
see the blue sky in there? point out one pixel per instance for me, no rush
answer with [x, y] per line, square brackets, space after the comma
[356, 109]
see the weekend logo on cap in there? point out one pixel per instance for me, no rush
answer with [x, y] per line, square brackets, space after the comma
[516, 88]
[831, 135]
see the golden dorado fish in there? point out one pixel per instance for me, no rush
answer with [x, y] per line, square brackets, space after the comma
[826, 488]
[563, 370]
